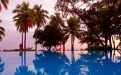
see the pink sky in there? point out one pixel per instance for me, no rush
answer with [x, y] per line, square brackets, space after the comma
[13, 38]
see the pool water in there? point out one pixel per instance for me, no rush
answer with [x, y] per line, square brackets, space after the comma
[55, 63]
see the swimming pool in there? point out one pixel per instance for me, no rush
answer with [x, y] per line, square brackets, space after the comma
[54, 63]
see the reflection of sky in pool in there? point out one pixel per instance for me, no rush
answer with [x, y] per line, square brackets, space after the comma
[53, 63]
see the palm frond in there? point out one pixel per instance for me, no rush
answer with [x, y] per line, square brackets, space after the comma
[4, 3]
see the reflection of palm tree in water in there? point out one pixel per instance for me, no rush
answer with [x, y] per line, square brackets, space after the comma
[23, 70]
[96, 63]
[54, 63]
[92, 63]
[73, 67]
[51, 63]
[1, 65]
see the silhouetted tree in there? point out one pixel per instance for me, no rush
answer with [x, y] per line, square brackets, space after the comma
[23, 20]
[58, 22]
[52, 33]
[95, 17]
[40, 19]
[49, 37]
[72, 29]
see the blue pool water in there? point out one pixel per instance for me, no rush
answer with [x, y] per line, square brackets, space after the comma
[54, 63]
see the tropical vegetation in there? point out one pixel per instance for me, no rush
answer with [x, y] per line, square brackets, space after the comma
[52, 34]
[94, 22]
[102, 27]
[90, 25]
[73, 29]
[23, 19]
[3, 3]
[40, 19]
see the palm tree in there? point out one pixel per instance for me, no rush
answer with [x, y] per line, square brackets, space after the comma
[2, 32]
[57, 20]
[4, 3]
[20, 27]
[40, 19]
[24, 21]
[73, 29]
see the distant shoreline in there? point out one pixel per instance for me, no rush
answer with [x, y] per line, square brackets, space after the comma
[30, 50]
[15, 50]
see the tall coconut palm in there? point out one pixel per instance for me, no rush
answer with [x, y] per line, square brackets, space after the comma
[20, 27]
[73, 29]
[40, 19]
[58, 22]
[2, 32]
[24, 21]
[4, 3]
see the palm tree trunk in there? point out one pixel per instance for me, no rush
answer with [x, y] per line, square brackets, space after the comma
[106, 47]
[22, 51]
[72, 43]
[25, 49]
[110, 42]
[63, 48]
[36, 47]
[72, 49]
[72, 57]
[36, 41]
[26, 25]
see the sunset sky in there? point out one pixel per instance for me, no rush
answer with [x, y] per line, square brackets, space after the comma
[13, 38]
